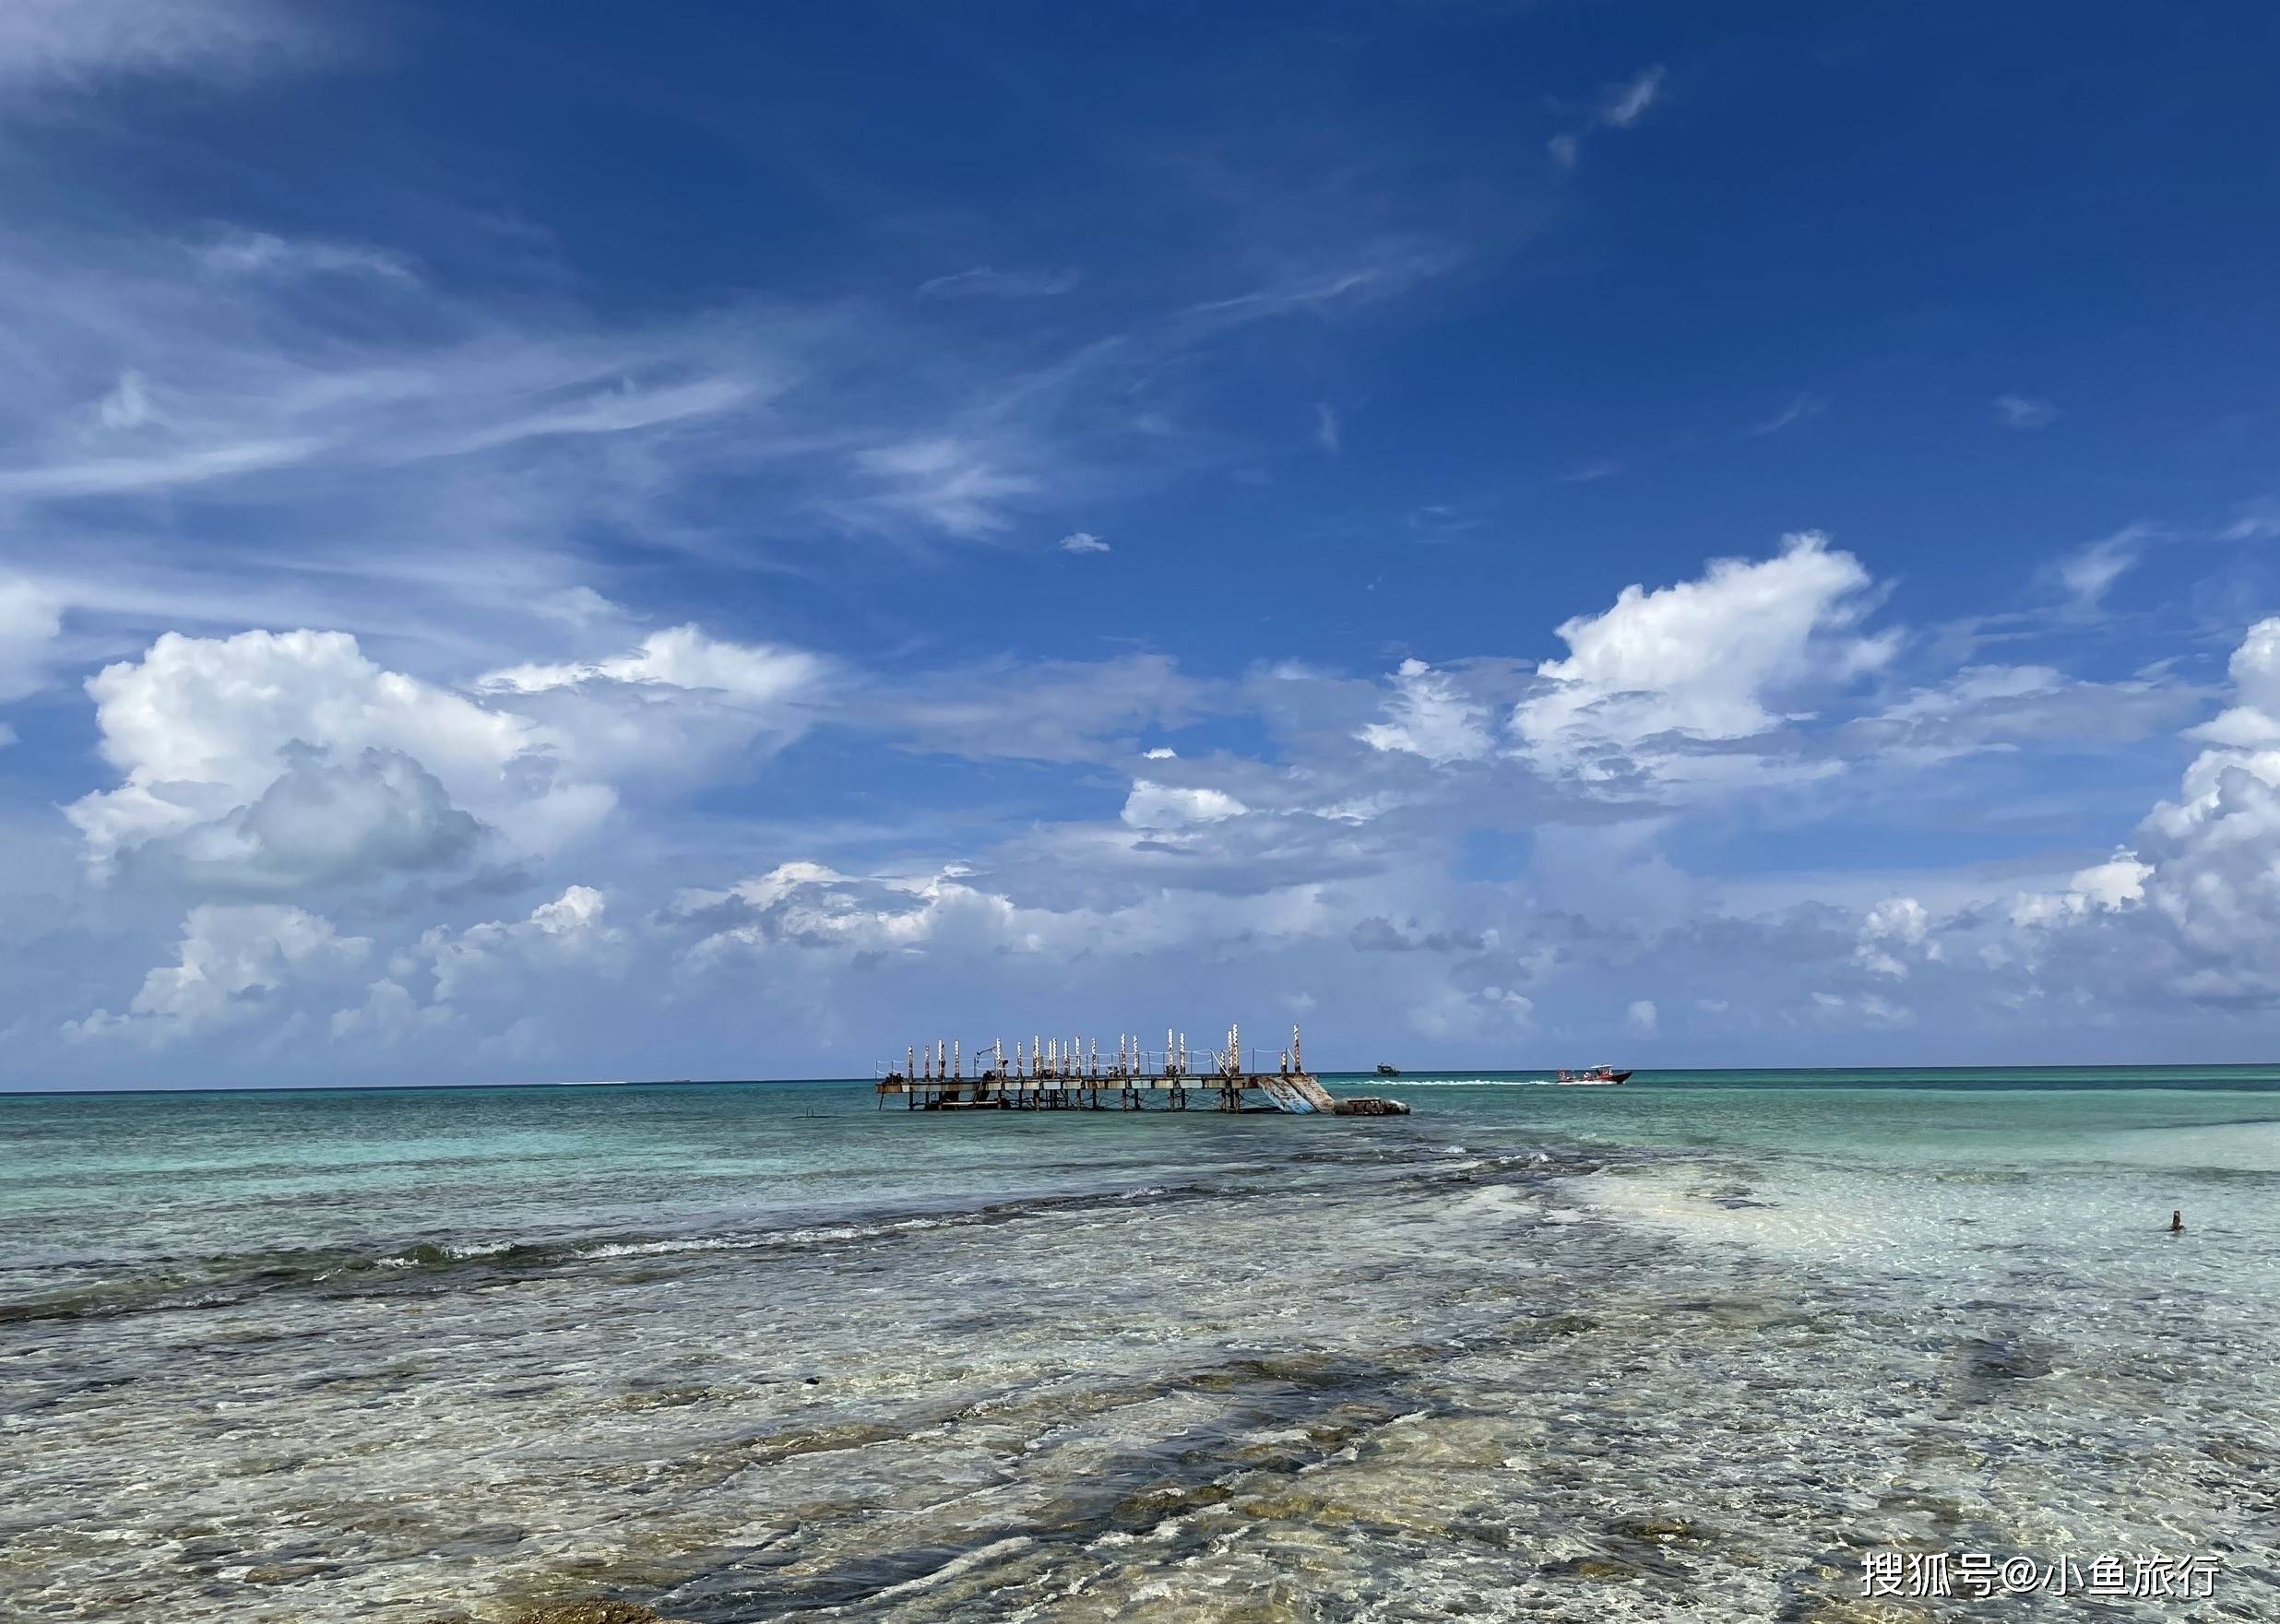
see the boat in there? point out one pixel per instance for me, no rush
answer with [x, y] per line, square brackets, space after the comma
[1590, 1076]
[1386, 1071]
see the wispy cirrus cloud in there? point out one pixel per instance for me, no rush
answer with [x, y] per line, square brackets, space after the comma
[983, 282]
[68, 44]
[1378, 270]
[1621, 107]
[1801, 409]
[2024, 411]
[265, 253]
[2087, 574]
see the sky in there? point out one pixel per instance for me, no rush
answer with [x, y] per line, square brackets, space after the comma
[572, 540]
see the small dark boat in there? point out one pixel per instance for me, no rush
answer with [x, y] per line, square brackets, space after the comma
[1386, 1071]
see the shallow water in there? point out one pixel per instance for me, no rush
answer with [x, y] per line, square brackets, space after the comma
[1683, 1349]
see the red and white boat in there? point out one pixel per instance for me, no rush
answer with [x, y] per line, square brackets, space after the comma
[1592, 1075]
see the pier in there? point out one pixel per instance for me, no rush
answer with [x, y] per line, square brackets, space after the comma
[1056, 1074]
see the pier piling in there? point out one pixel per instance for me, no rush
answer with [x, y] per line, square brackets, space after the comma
[1059, 1073]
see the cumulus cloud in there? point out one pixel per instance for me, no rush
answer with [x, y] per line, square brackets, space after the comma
[228, 964]
[811, 912]
[1083, 542]
[1651, 680]
[277, 759]
[324, 819]
[571, 931]
[1487, 1011]
[1427, 715]
[1168, 806]
[388, 1016]
[1891, 930]
[2190, 911]
[203, 729]
[2214, 851]
[684, 658]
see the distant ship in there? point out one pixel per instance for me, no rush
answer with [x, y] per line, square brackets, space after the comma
[1386, 1071]
[1590, 1074]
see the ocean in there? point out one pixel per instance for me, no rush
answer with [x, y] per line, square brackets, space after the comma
[1698, 1347]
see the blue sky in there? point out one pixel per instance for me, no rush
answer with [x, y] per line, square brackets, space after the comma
[582, 540]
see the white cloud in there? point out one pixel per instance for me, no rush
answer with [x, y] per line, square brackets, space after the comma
[1890, 930]
[1798, 409]
[329, 817]
[262, 254]
[953, 483]
[230, 962]
[578, 607]
[669, 712]
[1861, 1008]
[1326, 427]
[1427, 715]
[1991, 707]
[31, 620]
[982, 282]
[2252, 724]
[388, 1016]
[129, 404]
[80, 42]
[1628, 102]
[1378, 270]
[1701, 661]
[681, 658]
[2214, 851]
[1083, 542]
[2089, 573]
[1458, 1012]
[1642, 1018]
[204, 729]
[814, 911]
[2254, 521]
[1165, 806]
[1047, 710]
[2024, 411]
[1620, 108]
[571, 931]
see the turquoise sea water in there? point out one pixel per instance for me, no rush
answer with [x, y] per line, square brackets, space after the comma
[1685, 1349]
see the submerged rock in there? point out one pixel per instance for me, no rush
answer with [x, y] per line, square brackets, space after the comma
[587, 1612]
